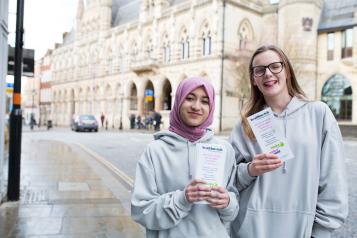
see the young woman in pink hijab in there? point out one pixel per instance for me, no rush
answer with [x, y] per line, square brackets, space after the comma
[168, 199]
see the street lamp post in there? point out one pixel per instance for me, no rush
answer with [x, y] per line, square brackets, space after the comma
[13, 188]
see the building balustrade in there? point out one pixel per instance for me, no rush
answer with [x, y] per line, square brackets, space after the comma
[143, 64]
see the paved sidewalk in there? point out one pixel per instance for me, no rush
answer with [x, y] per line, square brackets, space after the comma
[66, 193]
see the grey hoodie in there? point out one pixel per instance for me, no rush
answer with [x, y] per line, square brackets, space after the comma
[305, 197]
[158, 201]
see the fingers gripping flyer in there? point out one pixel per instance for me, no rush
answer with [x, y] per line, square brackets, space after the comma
[268, 140]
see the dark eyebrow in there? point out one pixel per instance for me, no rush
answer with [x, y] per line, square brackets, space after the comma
[194, 95]
[267, 64]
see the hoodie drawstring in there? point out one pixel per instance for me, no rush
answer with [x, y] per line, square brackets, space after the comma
[285, 122]
[190, 176]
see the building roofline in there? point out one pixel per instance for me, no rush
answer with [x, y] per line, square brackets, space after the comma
[336, 28]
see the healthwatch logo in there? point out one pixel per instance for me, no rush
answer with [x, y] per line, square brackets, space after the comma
[211, 148]
[275, 148]
[276, 151]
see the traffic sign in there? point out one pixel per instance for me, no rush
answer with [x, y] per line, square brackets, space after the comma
[149, 95]
[149, 92]
[9, 87]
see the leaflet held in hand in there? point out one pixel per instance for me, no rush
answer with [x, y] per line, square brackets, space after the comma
[210, 163]
[269, 141]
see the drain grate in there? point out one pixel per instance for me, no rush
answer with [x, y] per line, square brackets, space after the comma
[34, 196]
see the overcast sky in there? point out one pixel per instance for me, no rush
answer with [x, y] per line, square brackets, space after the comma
[44, 23]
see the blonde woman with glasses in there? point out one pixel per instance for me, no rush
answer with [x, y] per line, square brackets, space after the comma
[302, 197]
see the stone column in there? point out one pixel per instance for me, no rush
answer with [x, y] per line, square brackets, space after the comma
[158, 101]
[141, 108]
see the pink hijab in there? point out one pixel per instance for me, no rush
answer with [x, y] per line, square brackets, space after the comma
[176, 124]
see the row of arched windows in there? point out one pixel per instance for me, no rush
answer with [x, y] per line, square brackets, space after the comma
[150, 97]
[91, 93]
[107, 56]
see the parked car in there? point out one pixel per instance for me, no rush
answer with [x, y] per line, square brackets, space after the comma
[84, 123]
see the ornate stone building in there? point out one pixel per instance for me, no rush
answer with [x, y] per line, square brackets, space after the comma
[127, 56]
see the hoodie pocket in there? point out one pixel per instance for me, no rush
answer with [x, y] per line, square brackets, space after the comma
[268, 224]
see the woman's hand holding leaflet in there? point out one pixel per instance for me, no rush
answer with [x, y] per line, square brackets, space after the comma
[197, 190]
[263, 163]
[219, 197]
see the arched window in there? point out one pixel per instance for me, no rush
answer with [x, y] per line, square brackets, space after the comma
[108, 91]
[109, 64]
[185, 45]
[206, 40]
[134, 52]
[150, 49]
[245, 34]
[149, 97]
[167, 50]
[87, 95]
[207, 44]
[133, 98]
[167, 90]
[121, 58]
[337, 94]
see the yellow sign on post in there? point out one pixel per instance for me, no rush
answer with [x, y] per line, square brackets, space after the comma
[149, 98]
[149, 95]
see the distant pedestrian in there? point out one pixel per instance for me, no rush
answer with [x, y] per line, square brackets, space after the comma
[157, 120]
[102, 118]
[139, 123]
[149, 121]
[32, 121]
[132, 121]
[165, 191]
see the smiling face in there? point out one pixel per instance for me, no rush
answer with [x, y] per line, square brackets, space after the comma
[194, 109]
[272, 83]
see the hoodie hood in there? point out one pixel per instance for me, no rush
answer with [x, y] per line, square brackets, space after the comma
[294, 105]
[175, 140]
[172, 138]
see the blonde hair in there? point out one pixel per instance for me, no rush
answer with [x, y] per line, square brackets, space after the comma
[256, 101]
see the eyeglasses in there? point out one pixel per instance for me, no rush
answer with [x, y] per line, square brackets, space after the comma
[275, 68]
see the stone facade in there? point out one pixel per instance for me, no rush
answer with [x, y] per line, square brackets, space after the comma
[3, 72]
[43, 69]
[113, 62]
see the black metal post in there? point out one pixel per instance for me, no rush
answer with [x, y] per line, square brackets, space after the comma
[13, 188]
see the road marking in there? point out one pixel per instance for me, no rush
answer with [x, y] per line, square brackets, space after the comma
[126, 178]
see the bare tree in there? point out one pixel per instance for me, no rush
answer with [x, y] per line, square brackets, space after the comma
[244, 77]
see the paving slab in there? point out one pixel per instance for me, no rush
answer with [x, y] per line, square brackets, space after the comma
[66, 194]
